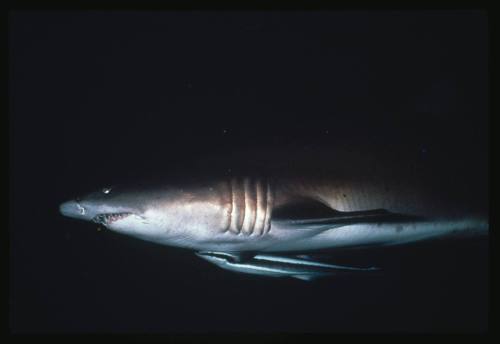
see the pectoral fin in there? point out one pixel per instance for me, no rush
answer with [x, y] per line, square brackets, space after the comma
[315, 214]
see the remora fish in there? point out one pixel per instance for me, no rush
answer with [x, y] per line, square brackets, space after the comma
[300, 267]
[351, 200]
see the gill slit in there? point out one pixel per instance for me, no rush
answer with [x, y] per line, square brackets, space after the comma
[231, 206]
[244, 207]
[255, 204]
[267, 221]
[265, 211]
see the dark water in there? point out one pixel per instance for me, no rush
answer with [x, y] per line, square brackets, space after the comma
[100, 98]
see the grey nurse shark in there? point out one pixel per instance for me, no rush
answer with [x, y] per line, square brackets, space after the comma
[259, 222]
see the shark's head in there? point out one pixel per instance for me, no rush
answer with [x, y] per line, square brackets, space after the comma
[171, 215]
[105, 206]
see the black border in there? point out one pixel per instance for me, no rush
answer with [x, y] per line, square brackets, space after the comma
[253, 6]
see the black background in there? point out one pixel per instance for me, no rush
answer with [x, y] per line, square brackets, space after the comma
[101, 97]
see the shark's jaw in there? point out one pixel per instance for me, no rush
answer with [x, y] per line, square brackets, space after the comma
[109, 218]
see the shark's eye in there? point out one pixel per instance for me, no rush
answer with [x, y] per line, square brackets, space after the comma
[106, 190]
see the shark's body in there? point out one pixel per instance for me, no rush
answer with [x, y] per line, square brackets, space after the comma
[241, 215]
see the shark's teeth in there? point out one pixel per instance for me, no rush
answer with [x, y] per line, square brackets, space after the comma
[107, 219]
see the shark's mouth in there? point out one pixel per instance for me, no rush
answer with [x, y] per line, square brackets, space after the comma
[107, 219]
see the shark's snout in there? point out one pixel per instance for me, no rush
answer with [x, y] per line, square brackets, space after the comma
[72, 209]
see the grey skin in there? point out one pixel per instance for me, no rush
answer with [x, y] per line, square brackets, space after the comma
[363, 201]
[237, 215]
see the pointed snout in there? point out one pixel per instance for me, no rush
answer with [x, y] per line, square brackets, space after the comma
[72, 209]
